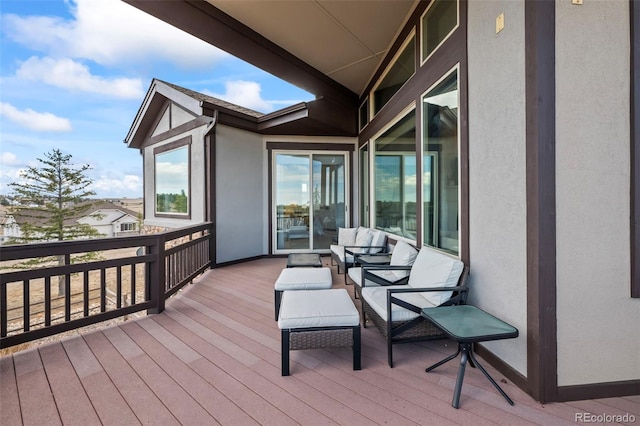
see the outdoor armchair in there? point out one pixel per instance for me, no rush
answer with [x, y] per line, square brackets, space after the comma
[436, 279]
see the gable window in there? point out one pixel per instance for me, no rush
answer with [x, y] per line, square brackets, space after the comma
[395, 178]
[440, 195]
[172, 183]
[401, 69]
[438, 22]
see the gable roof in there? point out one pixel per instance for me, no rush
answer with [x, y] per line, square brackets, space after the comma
[321, 117]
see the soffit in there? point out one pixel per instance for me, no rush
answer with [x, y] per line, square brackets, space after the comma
[345, 40]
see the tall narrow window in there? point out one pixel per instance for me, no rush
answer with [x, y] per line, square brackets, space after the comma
[395, 178]
[364, 185]
[172, 173]
[440, 165]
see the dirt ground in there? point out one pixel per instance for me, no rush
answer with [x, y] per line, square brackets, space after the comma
[36, 294]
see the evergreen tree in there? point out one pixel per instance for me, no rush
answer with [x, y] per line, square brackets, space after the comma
[52, 196]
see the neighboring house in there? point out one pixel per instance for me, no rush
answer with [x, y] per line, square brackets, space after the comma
[112, 220]
[504, 133]
[107, 218]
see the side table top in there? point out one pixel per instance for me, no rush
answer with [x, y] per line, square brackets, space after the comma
[374, 259]
[304, 259]
[468, 323]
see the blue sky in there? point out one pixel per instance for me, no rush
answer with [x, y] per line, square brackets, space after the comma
[74, 73]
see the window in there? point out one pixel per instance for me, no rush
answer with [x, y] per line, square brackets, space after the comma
[401, 69]
[438, 22]
[364, 185]
[127, 227]
[440, 164]
[395, 178]
[172, 171]
[363, 114]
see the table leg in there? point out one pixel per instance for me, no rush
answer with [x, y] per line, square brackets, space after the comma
[447, 359]
[465, 349]
[486, 374]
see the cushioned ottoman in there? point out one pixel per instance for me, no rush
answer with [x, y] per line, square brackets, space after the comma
[301, 279]
[313, 319]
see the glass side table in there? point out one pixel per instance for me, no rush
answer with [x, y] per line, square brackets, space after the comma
[466, 325]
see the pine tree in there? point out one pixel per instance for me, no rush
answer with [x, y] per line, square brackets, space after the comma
[52, 196]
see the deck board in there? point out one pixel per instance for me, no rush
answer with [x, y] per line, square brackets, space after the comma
[213, 357]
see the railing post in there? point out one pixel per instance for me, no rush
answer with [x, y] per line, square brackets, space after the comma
[156, 275]
[212, 245]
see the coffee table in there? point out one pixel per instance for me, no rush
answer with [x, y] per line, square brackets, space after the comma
[467, 324]
[305, 260]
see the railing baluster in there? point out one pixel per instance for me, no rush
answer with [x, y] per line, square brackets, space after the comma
[47, 301]
[3, 310]
[103, 290]
[85, 293]
[67, 298]
[26, 305]
[133, 283]
[119, 286]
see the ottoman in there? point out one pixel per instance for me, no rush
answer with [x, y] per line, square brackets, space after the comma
[314, 319]
[308, 278]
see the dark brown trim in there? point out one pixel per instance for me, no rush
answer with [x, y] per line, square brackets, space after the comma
[634, 6]
[183, 128]
[210, 186]
[299, 146]
[210, 24]
[496, 362]
[599, 390]
[540, 100]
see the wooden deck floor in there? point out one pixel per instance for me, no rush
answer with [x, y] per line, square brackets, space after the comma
[213, 357]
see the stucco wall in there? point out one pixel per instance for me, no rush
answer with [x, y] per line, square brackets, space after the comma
[497, 193]
[598, 323]
[241, 178]
[197, 182]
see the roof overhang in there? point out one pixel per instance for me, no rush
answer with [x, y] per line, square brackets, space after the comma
[329, 48]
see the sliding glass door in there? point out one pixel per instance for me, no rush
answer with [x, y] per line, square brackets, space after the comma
[310, 200]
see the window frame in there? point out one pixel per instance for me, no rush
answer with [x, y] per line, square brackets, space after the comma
[388, 68]
[447, 74]
[446, 37]
[163, 149]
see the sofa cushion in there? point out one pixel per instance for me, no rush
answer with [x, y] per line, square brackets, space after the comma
[376, 298]
[403, 255]
[347, 236]
[363, 239]
[435, 269]
[356, 276]
[339, 251]
[378, 239]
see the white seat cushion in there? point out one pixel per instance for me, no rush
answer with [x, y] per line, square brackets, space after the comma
[339, 251]
[356, 276]
[304, 279]
[317, 308]
[435, 269]
[376, 298]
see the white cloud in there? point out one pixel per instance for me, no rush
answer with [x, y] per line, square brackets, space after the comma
[110, 32]
[124, 186]
[245, 94]
[8, 159]
[39, 121]
[69, 74]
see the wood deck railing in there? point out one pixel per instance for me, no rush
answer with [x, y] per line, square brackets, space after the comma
[164, 263]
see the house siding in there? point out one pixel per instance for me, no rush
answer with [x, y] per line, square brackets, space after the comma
[197, 182]
[497, 171]
[241, 194]
[597, 320]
